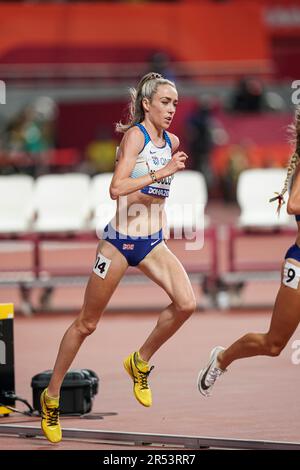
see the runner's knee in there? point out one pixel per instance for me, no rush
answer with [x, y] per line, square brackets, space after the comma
[186, 307]
[85, 327]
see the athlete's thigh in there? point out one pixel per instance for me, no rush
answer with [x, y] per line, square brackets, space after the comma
[286, 312]
[162, 266]
[111, 265]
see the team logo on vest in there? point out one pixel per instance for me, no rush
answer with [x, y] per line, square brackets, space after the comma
[164, 161]
[128, 246]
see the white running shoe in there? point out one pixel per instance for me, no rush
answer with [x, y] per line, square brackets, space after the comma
[210, 373]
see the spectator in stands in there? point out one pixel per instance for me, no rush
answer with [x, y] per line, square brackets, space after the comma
[147, 160]
[203, 132]
[237, 161]
[159, 62]
[100, 153]
[248, 96]
[30, 135]
[286, 312]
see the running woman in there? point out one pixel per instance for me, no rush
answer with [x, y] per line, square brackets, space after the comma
[147, 160]
[286, 312]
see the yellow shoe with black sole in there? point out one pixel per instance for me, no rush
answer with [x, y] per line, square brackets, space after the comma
[50, 417]
[139, 371]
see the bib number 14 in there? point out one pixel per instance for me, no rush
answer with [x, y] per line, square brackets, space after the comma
[101, 265]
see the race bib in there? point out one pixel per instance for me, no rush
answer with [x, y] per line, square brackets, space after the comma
[291, 275]
[101, 265]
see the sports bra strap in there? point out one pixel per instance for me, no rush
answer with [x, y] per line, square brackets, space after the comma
[167, 139]
[147, 136]
[144, 131]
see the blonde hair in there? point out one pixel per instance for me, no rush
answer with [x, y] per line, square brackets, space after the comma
[293, 162]
[146, 88]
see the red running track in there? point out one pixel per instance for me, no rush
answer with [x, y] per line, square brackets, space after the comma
[257, 399]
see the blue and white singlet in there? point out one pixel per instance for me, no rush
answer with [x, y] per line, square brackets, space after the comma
[153, 158]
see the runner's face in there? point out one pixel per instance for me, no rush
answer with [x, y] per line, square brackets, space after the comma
[162, 107]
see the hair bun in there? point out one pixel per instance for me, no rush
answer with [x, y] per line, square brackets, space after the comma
[154, 75]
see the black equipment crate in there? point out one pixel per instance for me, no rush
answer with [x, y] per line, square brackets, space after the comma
[77, 392]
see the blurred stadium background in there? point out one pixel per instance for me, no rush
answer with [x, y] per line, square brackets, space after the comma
[67, 67]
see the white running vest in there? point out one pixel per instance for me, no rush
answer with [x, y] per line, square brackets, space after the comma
[153, 158]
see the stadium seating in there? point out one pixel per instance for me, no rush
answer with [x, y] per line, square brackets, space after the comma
[255, 188]
[102, 206]
[258, 217]
[62, 203]
[16, 204]
[185, 208]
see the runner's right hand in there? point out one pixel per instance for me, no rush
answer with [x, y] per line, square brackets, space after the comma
[177, 163]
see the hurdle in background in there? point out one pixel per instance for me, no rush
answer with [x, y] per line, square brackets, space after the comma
[7, 370]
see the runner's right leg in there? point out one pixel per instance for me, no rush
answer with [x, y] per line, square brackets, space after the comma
[101, 285]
